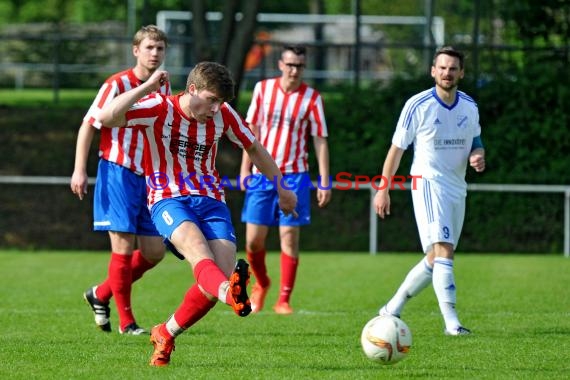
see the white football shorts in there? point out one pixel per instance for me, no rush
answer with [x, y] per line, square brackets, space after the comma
[439, 213]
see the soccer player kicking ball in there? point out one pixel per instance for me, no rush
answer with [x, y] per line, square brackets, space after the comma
[185, 196]
[443, 125]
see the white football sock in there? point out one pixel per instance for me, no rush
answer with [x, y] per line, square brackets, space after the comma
[173, 327]
[445, 291]
[417, 279]
[223, 291]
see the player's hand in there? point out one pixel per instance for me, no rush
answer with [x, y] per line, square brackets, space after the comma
[288, 202]
[79, 184]
[382, 203]
[323, 197]
[157, 79]
[477, 161]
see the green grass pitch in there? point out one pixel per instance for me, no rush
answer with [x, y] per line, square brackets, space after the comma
[518, 308]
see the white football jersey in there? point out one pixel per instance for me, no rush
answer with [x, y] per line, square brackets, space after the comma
[442, 137]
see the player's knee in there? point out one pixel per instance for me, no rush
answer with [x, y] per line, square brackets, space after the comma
[153, 256]
[255, 245]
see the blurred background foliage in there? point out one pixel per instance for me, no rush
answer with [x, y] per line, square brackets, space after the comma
[517, 70]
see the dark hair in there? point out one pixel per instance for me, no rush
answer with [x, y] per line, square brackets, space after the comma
[150, 31]
[451, 51]
[296, 49]
[214, 77]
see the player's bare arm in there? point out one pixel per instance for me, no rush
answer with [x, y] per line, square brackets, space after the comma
[79, 178]
[263, 161]
[477, 159]
[324, 193]
[391, 164]
[245, 170]
[113, 115]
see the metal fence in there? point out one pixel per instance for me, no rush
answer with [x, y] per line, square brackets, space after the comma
[373, 218]
[384, 47]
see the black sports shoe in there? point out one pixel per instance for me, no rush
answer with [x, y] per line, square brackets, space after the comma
[101, 310]
[238, 288]
[133, 329]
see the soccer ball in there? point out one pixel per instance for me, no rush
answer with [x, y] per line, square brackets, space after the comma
[386, 340]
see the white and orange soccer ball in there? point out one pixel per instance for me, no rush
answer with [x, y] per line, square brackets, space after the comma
[386, 340]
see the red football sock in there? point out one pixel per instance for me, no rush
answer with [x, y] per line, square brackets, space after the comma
[139, 265]
[209, 276]
[120, 280]
[193, 308]
[257, 265]
[288, 274]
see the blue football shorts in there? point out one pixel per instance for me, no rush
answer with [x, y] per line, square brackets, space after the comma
[210, 215]
[119, 201]
[261, 204]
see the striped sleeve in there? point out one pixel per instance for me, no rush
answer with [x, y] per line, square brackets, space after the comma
[106, 94]
[407, 122]
[238, 132]
[144, 112]
[317, 117]
[254, 110]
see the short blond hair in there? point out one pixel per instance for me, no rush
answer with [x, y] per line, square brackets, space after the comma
[152, 32]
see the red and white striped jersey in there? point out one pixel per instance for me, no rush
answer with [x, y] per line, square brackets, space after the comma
[123, 146]
[286, 121]
[180, 154]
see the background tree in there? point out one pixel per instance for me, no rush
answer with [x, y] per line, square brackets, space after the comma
[235, 39]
